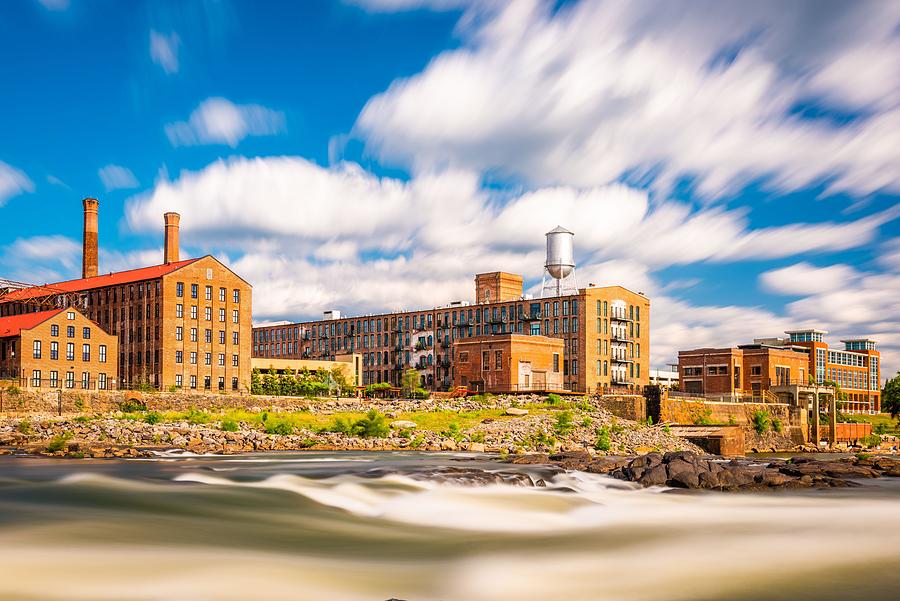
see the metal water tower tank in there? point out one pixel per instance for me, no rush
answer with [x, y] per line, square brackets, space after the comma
[560, 252]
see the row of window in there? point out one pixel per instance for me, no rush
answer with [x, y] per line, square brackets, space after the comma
[70, 331]
[633, 370]
[69, 381]
[207, 382]
[37, 351]
[207, 313]
[207, 358]
[207, 335]
[208, 292]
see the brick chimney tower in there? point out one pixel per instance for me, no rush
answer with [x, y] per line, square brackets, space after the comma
[89, 260]
[171, 247]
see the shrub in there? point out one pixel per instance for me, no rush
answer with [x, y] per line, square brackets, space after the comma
[132, 406]
[417, 442]
[776, 425]
[339, 426]
[603, 443]
[58, 442]
[872, 440]
[732, 421]
[586, 422]
[24, 426]
[477, 437]
[564, 423]
[197, 417]
[453, 431]
[584, 404]
[173, 388]
[703, 418]
[279, 426]
[553, 399]
[372, 426]
[153, 418]
[880, 428]
[761, 421]
[82, 419]
[79, 403]
[419, 393]
[229, 425]
[13, 390]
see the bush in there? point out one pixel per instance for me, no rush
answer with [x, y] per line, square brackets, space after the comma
[880, 428]
[13, 390]
[372, 426]
[417, 442]
[703, 418]
[553, 399]
[872, 440]
[453, 431]
[279, 426]
[564, 423]
[58, 442]
[132, 406]
[196, 417]
[761, 421]
[603, 443]
[339, 426]
[24, 427]
[586, 422]
[776, 425]
[419, 393]
[229, 425]
[153, 418]
[477, 437]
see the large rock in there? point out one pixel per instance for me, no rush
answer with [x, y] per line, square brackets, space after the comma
[516, 411]
[403, 424]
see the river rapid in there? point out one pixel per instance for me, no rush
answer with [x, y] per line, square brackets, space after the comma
[423, 527]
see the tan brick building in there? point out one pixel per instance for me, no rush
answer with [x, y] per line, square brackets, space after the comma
[184, 324]
[509, 363]
[605, 333]
[57, 349]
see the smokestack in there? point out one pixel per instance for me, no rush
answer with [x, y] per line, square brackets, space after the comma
[171, 248]
[89, 261]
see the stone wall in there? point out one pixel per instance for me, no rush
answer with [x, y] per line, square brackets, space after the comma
[686, 411]
[633, 407]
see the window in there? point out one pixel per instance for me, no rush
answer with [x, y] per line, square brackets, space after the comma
[70, 331]
[221, 382]
[179, 380]
[207, 336]
[179, 310]
[194, 288]
[194, 382]
[207, 382]
[193, 334]
[234, 383]
[221, 295]
[70, 351]
[207, 359]
[85, 333]
[85, 352]
[70, 379]
[179, 333]
[37, 349]
[209, 293]
[234, 316]
[556, 363]
[193, 357]
[193, 311]
[70, 315]
[485, 360]
[498, 359]
[755, 370]
[85, 380]
[221, 315]
[221, 336]
[235, 338]
[222, 359]
[54, 379]
[54, 350]
[234, 361]
[54, 330]
[207, 313]
[236, 296]
[36, 378]
[101, 381]
[179, 289]
[101, 351]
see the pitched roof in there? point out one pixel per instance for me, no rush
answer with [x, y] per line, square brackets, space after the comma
[100, 281]
[12, 325]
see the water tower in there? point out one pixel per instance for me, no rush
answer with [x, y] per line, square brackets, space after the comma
[559, 268]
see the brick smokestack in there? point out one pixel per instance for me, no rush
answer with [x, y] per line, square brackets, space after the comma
[171, 248]
[89, 260]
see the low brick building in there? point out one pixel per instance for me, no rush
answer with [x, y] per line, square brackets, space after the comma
[747, 369]
[509, 363]
[57, 349]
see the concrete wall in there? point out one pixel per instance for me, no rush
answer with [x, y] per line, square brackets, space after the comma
[686, 411]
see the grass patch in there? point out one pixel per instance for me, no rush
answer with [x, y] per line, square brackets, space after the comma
[603, 442]
[58, 442]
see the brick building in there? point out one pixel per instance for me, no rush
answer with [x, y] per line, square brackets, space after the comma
[509, 363]
[185, 324]
[803, 355]
[60, 348]
[605, 332]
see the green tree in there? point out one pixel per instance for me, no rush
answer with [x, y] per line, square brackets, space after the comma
[410, 382]
[890, 396]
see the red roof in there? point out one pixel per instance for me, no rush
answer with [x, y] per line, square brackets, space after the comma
[12, 325]
[100, 281]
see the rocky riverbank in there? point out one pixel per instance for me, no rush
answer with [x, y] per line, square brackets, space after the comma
[500, 425]
[689, 470]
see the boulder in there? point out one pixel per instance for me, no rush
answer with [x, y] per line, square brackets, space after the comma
[403, 424]
[516, 411]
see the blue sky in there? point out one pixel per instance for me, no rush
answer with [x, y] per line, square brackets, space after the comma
[737, 163]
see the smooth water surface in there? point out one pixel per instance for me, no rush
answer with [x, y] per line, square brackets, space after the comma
[417, 526]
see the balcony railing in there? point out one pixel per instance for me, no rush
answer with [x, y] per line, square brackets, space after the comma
[620, 317]
[621, 359]
[621, 338]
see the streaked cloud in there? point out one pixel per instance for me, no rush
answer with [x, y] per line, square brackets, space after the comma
[164, 50]
[220, 121]
[12, 182]
[116, 177]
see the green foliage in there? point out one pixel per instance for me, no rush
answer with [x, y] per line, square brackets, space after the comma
[564, 423]
[703, 417]
[197, 417]
[24, 427]
[371, 389]
[82, 419]
[666, 428]
[453, 431]
[305, 383]
[373, 425]
[542, 439]
[880, 428]
[229, 425]
[419, 393]
[732, 421]
[79, 403]
[553, 399]
[173, 388]
[586, 421]
[279, 426]
[405, 434]
[13, 390]
[339, 426]
[409, 382]
[761, 421]
[603, 442]
[776, 425]
[417, 442]
[649, 420]
[477, 437]
[863, 456]
[58, 442]
[890, 396]
[132, 406]
[872, 440]
[153, 418]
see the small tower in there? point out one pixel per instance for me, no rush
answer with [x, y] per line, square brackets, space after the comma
[559, 268]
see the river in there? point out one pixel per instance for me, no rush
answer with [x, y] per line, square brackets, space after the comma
[423, 527]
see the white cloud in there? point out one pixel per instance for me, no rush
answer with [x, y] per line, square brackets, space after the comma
[803, 279]
[12, 182]
[164, 50]
[116, 177]
[219, 121]
[55, 4]
[586, 93]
